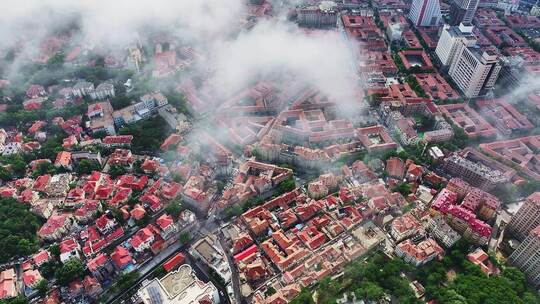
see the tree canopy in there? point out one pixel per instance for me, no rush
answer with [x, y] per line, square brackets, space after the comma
[470, 285]
[147, 134]
[372, 279]
[68, 272]
[18, 228]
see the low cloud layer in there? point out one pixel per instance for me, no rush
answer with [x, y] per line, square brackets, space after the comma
[116, 23]
[277, 48]
[272, 49]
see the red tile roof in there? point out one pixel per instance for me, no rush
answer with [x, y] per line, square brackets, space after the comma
[53, 223]
[41, 257]
[164, 221]
[121, 257]
[142, 236]
[176, 260]
[173, 139]
[68, 245]
[42, 182]
[63, 159]
[118, 140]
[149, 165]
[30, 277]
[138, 212]
[97, 262]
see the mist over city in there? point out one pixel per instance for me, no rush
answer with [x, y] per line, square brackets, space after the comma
[265, 151]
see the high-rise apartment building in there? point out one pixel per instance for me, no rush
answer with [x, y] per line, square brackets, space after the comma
[323, 15]
[462, 11]
[475, 70]
[452, 39]
[526, 218]
[425, 12]
[528, 5]
[527, 256]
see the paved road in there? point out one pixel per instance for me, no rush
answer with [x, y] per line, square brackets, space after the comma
[234, 278]
[146, 269]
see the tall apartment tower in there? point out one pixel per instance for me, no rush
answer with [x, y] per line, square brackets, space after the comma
[528, 5]
[462, 11]
[425, 12]
[526, 218]
[452, 39]
[475, 70]
[323, 15]
[527, 256]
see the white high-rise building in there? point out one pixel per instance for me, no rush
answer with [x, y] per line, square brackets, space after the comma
[527, 256]
[462, 11]
[425, 12]
[474, 70]
[526, 218]
[452, 39]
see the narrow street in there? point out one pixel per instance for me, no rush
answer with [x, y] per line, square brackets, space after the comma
[235, 279]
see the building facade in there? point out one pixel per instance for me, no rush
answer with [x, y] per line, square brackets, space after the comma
[323, 15]
[475, 71]
[425, 13]
[462, 11]
[180, 286]
[527, 256]
[526, 218]
[452, 39]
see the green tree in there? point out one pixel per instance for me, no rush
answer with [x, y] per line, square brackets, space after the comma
[369, 291]
[232, 211]
[18, 300]
[120, 102]
[286, 185]
[530, 298]
[174, 208]
[516, 279]
[403, 188]
[86, 166]
[99, 134]
[19, 167]
[47, 269]
[178, 100]
[126, 280]
[56, 61]
[44, 168]
[117, 214]
[42, 287]
[148, 135]
[304, 297]
[117, 170]
[5, 174]
[270, 291]
[18, 228]
[51, 147]
[71, 270]
[54, 249]
[185, 237]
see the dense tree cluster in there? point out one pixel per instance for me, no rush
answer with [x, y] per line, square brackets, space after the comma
[286, 186]
[126, 280]
[413, 82]
[18, 228]
[147, 134]
[373, 279]
[455, 280]
[178, 101]
[68, 272]
[174, 208]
